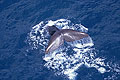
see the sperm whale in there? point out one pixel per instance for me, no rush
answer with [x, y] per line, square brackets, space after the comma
[58, 36]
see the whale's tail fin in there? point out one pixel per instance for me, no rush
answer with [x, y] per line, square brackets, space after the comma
[56, 40]
[52, 29]
[70, 35]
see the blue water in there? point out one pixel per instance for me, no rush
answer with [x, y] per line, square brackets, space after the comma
[20, 59]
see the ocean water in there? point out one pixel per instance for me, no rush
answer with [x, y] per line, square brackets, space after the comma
[24, 38]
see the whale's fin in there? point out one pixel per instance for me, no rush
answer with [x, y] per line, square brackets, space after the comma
[55, 41]
[58, 38]
[72, 35]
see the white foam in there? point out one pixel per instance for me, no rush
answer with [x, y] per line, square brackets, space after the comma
[102, 70]
[69, 64]
[81, 52]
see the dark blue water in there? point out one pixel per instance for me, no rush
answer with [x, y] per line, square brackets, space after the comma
[17, 17]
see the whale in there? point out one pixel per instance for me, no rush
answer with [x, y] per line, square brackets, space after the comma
[58, 36]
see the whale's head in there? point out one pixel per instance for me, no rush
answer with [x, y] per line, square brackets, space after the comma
[52, 29]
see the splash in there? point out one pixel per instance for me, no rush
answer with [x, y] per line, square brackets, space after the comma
[68, 58]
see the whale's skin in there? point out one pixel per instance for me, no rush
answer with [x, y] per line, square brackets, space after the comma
[59, 36]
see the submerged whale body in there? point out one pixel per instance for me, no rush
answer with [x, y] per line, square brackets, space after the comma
[52, 29]
[59, 36]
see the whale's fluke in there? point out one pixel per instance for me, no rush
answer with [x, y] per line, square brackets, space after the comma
[72, 35]
[55, 41]
[59, 36]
